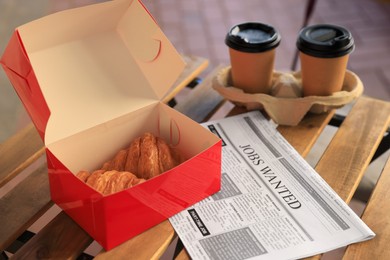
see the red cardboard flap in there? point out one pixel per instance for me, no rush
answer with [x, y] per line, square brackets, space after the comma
[18, 69]
[15, 58]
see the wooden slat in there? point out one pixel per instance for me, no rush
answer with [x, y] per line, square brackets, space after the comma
[304, 136]
[18, 152]
[203, 99]
[183, 255]
[194, 66]
[151, 244]
[351, 149]
[62, 238]
[23, 205]
[346, 158]
[376, 216]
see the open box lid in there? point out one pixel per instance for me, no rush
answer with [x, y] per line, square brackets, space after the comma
[96, 63]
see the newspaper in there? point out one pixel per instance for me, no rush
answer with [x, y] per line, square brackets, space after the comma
[272, 204]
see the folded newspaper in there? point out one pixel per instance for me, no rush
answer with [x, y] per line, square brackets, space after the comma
[272, 204]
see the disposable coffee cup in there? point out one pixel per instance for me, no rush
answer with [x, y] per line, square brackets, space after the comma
[252, 54]
[324, 53]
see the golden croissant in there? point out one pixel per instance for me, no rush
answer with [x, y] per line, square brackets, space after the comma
[146, 157]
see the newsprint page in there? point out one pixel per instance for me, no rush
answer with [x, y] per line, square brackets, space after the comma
[272, 204]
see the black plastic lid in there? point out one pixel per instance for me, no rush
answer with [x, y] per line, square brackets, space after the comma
[252, 37]
[325, 41]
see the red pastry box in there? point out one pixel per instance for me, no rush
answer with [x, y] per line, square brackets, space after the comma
[92, 79]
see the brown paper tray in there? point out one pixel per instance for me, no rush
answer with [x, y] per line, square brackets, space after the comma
[285, 105]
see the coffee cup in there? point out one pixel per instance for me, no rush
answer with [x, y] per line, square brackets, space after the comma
[252, 54]
[324, 52]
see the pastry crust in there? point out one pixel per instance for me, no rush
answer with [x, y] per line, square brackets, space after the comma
[125, 181]
[106, 166]
[165, 158]
[109, 182]
[148, 166]
[83, 175]
[133, 156]
[93, 178]
[118, 163]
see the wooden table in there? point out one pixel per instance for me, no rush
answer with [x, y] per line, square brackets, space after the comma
[342, 165]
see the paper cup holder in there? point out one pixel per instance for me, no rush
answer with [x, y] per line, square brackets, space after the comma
[285, 105]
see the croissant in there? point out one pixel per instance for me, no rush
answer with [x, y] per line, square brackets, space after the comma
[118, 163]
[133, 155]
[166, 156]
[146, 157]
[83, 175]
[108, 182]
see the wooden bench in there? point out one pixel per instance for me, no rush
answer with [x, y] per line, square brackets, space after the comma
[24, 183]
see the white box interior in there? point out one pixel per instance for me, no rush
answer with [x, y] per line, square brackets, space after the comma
[98, 63]
[89, 149]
